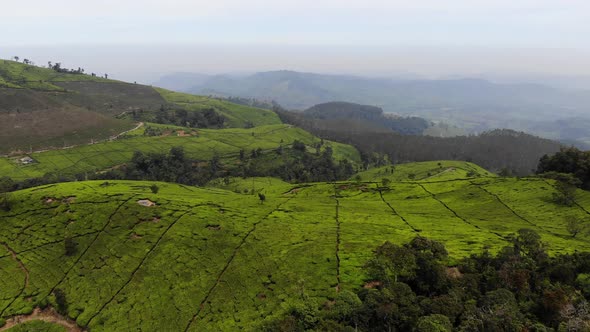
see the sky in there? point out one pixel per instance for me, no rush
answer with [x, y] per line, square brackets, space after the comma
[146, 38]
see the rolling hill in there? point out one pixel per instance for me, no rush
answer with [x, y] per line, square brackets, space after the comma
[208, 259]
[200, 145]
[473, 104]
[42, 108]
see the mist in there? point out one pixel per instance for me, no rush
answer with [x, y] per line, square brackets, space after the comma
[146, 63]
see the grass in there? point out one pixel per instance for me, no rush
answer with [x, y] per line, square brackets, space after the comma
[442, 170]
[37, 326]
[18, 75]
[238, 116]
[208, 142]
[215, 258]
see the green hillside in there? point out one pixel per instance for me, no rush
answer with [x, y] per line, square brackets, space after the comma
[209, 259]
[42, 108]
[237, 116]
[427, 171]
[203, 145]
[18, 75]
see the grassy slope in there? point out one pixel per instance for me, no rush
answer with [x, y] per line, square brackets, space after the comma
[237, 115]
[18, 75]
[426, 171]
[223, 261]
[40, 108]
[224, 142]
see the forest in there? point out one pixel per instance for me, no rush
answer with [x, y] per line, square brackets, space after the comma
[500, 150]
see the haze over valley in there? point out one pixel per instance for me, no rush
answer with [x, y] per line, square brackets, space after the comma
[294, 166]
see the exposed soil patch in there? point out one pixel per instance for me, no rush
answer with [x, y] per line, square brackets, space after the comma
[68, 200]
[134, 236]
[49, 200]
[453, 273]
[372, 284]
[46, 315]
[146, 203]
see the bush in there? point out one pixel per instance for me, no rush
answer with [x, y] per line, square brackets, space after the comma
[154, 188]
[434, 323]
[60, 301]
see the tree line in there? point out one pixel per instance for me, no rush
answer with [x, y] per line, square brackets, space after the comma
[569, 161]
[57, 66]
[291, 163]
[498, 150]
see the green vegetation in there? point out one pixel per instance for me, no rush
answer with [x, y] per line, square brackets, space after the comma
[570, 161]
[37, 326]
[238, 116]
[411, 288]
[427, 171]
[43, 108]
[207, 143]
[18, 75]
[210, 259]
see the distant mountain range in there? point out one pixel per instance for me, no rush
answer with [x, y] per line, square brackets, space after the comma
[473, 104]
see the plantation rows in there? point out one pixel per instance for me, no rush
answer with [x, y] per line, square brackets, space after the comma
[206, 259]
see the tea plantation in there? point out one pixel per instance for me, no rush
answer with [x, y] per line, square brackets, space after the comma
[217, 259]
[202, 145]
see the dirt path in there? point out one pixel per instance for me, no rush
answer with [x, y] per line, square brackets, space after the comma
[139, 125]
[439, 173]
[20, 263]
[25, 271]
[337, 218]
[47, 315]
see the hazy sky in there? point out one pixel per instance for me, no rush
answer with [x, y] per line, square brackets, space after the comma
[429, 37]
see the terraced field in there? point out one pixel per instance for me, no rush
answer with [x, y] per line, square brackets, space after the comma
[210, 259]
[202, 146]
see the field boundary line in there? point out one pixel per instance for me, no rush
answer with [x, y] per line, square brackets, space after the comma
[515, 213]
[337, 218]
[107, 223]
[416, 230]
[457, 215]
[139, 265]
[228, 263]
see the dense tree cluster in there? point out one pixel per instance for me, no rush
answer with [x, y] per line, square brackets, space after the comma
[293, 164]
[269, 105]
[515, 152]
[410, 288]
[569, 161]
[58, 68]
[330, 114]
[296, 164]
[208, 118]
